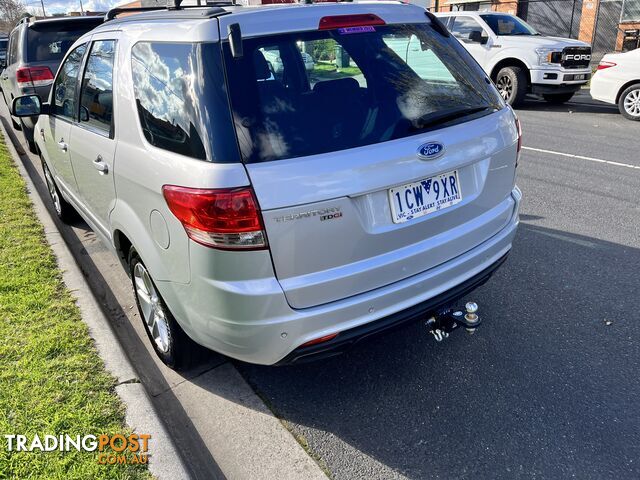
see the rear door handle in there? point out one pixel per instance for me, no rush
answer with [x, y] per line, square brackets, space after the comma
[63, 146]
[100, 165]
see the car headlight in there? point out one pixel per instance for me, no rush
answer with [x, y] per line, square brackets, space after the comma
[548, 56]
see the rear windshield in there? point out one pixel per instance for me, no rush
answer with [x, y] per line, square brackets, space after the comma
[49, 43]
[308, 93]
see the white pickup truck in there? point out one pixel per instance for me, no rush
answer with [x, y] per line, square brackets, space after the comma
[520, 60]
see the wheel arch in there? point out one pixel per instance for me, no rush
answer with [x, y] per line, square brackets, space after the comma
[625, 86]
[510, 62]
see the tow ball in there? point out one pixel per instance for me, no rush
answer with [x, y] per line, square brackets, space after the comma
[446, 321]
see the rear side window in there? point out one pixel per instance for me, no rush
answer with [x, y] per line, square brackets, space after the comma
[308, 93]
[181, 100]
[50, 43]
[64, 88]
[96, 95]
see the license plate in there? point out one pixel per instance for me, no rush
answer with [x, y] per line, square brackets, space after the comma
[418, 199]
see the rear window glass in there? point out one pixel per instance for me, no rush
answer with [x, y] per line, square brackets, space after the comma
[309, 93]
[50, 43]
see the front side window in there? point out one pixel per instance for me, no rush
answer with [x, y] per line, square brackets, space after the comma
[508, 25]
[349, 87]
[96, 94]
[181, 101]
[64, 88]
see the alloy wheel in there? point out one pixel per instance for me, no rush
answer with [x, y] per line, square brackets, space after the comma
[151, 307]
[505, 86]
[632, 103]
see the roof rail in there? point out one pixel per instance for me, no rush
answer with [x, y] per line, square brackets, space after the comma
[170, 5]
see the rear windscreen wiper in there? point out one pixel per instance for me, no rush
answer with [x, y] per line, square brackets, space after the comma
[446, 116]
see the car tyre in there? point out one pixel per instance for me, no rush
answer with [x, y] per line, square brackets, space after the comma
[629, 102]
[512, 85]
[558, 98]
[171, 344]
[63, 209]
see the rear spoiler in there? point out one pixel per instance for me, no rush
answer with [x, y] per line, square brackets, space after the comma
[437, 25]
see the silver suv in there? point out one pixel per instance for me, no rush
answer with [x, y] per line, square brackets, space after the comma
[275, 215]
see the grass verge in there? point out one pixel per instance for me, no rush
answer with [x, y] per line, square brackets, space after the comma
[52, 380]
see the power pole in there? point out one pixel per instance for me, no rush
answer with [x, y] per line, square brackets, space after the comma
[44, 14]
[81, 9]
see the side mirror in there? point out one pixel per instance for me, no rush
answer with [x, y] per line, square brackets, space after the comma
[26, 106]
[84, 113]
[476, 36]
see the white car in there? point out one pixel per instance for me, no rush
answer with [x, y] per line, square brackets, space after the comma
[617, 81]
[520, 60]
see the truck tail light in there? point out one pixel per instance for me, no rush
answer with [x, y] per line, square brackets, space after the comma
[227, 218]
[34, 76]
[604, 65]
[346, 21]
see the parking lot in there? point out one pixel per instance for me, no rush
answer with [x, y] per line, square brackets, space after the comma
[545, 389]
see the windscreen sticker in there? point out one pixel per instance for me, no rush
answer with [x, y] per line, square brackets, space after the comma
[350, 30]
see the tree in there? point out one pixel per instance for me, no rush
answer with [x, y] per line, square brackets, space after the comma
[11, 11]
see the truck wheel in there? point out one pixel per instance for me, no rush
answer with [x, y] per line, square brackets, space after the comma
[64, 210]
[169, 341]
[512, 84]
[557, 98]
[629, 102]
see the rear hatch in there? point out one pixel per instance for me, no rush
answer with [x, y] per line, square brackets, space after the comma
[390, 156]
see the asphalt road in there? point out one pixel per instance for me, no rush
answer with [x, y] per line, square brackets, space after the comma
[546, 388]
[549, 385]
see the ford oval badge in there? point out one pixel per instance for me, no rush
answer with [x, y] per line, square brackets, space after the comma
[430, 151]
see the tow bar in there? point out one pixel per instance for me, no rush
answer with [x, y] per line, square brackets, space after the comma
[447, 320]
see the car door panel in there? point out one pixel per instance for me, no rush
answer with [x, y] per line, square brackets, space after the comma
[92, 144]
[56, 129]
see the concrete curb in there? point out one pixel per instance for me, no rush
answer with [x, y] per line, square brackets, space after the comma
[164, 460]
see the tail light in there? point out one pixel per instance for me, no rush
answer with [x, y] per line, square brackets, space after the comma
[604, 65]
[227, 219]
[346, 21]
[34, 76]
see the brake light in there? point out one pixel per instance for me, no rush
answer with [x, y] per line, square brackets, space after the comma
[345, 21]
[227, 218]
[34, 76]
[604, 65]
[316, 341]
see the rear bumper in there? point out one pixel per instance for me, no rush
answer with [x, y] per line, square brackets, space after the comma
[421, 311]
[250, 320]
